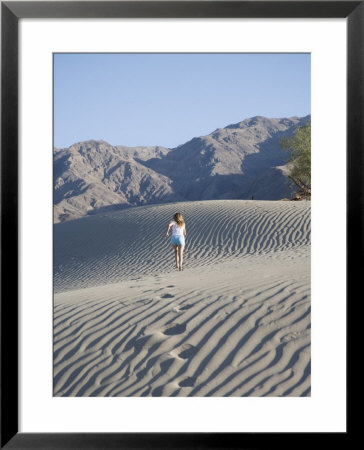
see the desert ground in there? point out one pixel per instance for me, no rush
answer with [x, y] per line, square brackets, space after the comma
[235, 322]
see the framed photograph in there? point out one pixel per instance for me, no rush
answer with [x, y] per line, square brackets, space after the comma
[159, 287]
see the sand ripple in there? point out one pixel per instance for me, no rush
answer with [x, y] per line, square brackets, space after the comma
[235, 322]
[130, 244]
[237, 338]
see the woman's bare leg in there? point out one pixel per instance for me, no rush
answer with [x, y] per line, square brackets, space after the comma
[180, 256]
[176, 255]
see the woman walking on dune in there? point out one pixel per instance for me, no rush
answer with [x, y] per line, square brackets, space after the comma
[178, 227]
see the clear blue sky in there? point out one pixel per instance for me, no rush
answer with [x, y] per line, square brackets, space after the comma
[167, 99]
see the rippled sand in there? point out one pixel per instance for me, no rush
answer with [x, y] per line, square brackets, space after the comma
[235, 322]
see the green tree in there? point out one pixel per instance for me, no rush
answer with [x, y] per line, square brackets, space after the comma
[299, 161]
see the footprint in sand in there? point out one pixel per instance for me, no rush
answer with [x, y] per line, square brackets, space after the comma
[167, 296]
[180, 309]
[144, 301]
[174, 328]
[187, 351]
[187, 382]
[185, 307]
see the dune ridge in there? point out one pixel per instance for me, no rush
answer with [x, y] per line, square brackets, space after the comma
[235, 322]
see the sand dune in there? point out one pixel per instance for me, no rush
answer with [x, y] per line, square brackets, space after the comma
[235, 322]
[129, 244]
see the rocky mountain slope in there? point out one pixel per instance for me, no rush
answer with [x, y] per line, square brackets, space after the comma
[239, 161]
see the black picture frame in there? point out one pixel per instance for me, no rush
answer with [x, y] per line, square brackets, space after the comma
[11, 12]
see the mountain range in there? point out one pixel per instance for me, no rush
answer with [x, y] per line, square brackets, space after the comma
[241, 161]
